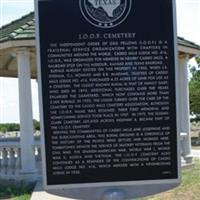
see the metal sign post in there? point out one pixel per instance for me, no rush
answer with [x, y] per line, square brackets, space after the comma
[107, 80]
[114, 195]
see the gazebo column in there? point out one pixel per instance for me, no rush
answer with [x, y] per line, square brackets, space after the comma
[28, 165]
[184, 108]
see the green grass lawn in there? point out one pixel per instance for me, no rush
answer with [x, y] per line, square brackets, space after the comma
[15, 191]
[188, 190]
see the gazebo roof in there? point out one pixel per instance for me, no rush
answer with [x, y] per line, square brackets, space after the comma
[21, 34]
[23, 28]
[187, 43]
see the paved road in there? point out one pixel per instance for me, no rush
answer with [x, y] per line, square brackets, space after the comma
[196, 153]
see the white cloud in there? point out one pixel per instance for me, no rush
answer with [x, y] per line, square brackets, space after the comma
[13, 9]
[9, 100]
[188, 19]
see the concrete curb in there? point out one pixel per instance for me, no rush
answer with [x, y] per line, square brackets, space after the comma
[40, 194]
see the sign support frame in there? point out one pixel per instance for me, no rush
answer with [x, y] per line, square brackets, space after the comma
[104, 186]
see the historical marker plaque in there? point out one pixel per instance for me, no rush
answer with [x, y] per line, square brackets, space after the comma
[108, 91]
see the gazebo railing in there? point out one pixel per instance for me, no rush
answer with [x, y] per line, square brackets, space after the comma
[10, 157]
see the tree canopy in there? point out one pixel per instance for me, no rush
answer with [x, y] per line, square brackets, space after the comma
[198, 60]
[194, 87]
[9, 127]
[36, 125]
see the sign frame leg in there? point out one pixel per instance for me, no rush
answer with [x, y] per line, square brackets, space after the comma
[114, 194]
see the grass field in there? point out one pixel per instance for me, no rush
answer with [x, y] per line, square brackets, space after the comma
[15, 191]
[188, 190]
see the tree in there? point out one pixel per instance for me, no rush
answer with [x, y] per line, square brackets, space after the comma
[198, 60]
[194, 87]
[36, 124]
[9, 127]
[3, 128]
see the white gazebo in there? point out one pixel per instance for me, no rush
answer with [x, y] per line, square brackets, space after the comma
[18, 59]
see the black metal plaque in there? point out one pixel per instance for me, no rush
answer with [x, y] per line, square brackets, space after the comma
[108, 90]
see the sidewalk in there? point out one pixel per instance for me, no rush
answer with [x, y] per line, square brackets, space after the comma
[196, 153]
[40, 194]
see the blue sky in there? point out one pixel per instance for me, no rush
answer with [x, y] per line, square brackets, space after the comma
[188, 24]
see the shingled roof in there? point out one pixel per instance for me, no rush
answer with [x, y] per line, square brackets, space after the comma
[24, 29]
[187, 43]
[20, 29]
